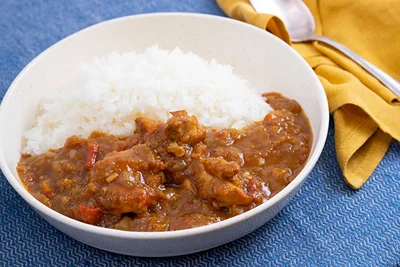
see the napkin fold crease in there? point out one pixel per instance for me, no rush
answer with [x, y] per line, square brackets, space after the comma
[366, 114]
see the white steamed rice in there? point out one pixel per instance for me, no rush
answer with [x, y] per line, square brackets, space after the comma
[108, 94]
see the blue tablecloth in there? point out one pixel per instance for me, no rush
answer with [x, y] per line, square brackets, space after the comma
[326, 224]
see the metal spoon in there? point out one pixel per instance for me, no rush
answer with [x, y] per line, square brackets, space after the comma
[301, 26]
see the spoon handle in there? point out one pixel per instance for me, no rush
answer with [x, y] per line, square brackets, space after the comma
[387, 80]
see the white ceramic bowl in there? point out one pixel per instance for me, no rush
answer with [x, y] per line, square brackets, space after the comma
[260, 57]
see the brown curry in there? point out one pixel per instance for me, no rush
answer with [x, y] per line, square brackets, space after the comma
[173, 175]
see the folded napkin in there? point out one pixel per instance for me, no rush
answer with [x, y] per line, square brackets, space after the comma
[366, 113]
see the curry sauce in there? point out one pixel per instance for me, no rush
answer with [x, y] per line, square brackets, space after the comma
[173, 175]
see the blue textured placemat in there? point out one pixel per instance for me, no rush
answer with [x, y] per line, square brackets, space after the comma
[326, 224]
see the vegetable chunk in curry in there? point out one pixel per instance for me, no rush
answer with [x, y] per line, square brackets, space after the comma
[173, 175]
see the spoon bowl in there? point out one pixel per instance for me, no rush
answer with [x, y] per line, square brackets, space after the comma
[301, 27]
[294, 13]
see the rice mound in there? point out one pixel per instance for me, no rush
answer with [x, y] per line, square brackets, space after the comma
[109, 93]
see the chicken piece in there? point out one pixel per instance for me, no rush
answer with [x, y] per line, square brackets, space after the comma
[230, 153]
[213, 188]
[173, 141]
[139, 157]
[146, 125]
[220, 167]
[124, 179]
[184, 129]
[120, 197]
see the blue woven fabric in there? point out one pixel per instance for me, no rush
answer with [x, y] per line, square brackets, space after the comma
[326, 224]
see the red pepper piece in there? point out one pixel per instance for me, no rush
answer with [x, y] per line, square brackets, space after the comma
[92, 155]
[252, 185]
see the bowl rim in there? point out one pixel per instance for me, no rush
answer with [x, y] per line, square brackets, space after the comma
[43, 209]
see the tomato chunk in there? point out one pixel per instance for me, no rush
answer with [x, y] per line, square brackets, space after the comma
[89, 215]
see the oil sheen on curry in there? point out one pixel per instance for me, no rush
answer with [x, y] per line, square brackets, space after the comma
[173, 175]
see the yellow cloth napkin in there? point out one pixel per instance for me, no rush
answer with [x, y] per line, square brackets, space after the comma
[366, 113]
